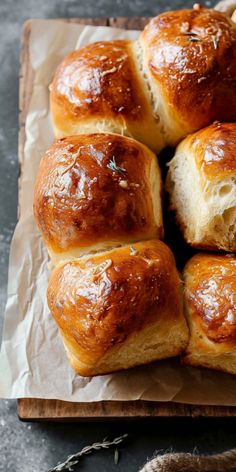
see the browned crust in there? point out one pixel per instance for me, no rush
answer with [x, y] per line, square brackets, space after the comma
[98, 302]
[210, 297]
[192, 60]
[214, 150]
[97, 81]
[80, 201]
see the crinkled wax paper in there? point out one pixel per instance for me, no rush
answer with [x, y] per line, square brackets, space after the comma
[33, 362]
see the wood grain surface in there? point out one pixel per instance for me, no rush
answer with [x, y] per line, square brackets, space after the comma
[55, 410]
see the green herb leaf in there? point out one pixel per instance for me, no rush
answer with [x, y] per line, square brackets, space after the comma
[116, 456]
[193, 39]
[112, 165]
[190, 33]
[215, 42]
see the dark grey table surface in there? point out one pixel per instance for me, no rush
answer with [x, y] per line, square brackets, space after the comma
[34, 447]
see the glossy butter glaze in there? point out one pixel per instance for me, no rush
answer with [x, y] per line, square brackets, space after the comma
[100, 301]
[211, 295]
[99, 80]
[81, 200]
[191, 56]
[215, 150]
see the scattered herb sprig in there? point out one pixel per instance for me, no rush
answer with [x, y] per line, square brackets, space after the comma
[116, 456]
[74, 458]
[192, 36]
[190, 33]
[215, 42]
[215, 39]
[193, 39]
[112, 165]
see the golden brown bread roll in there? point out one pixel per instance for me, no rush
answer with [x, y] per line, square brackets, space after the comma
[97, 191]
[99, 88]
[210, 304]
[202, 185]
[190, 60]
[177, 78]
[120, 308]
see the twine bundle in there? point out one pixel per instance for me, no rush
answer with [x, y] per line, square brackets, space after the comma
[186, 462]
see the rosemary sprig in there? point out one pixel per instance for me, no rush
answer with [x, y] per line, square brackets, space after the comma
[74, 458]
[112, 165]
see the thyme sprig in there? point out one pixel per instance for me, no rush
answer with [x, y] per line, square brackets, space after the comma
[74, 458]
[215, 42]
[215, 39]
[194, 39]
[190, 33]
[112, 165]
[116, 456]
[192, 36]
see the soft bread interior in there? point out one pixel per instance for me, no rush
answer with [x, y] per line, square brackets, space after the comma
[154, 342]
[206, 210]
[223, 362]
[170, 129]
[204, 353]
[157, 131]
[183, 186]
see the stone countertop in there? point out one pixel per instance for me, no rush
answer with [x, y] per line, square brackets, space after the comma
[34, 447]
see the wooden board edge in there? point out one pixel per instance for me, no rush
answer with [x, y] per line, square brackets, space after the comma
[29, 409]
[57, 410]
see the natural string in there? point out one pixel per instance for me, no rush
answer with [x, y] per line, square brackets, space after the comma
[186, 462]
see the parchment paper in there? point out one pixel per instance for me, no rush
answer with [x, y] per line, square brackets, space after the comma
[32, 359]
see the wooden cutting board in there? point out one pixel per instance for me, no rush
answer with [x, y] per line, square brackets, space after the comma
[55, 410]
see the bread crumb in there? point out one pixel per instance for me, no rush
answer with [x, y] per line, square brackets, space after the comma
[109, 71]
[123, 183]
[197, 6]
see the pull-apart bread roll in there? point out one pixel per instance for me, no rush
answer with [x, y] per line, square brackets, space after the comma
[120, 308]
[97, 191]
[210, 303]
[178, 77]
[99, 88]
[202, 185]
[190, 60]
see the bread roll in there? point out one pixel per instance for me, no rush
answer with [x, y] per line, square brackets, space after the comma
[210, 303]
[99, 88]
[97, 191]
[190, 62]
[178, 77]
[119, 309]
[202, 185]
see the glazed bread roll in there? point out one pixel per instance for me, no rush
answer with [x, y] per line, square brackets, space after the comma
[201, 182]
[189, 57]
[178, 77]
[119, 309]
[97, 191]
[210, 304]
[99, 88]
